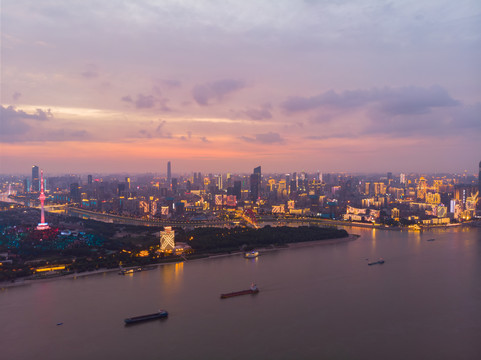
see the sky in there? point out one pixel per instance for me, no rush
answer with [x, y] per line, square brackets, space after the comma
[101, 86]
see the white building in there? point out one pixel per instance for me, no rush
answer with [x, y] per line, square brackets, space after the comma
[167, 239]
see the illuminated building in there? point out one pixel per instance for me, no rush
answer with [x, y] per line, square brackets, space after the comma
[441, 211]
[367, 188]
[421, 189]
[218, 182]
[35, 179]
[42, 225]
[50, 268]
[272, 184]
[278, 209]
[471, 202]
[433, 198]
[167, 239]
[379, 188]
[282, 188]
[169, 173]
[395, 213]
[479, 184]
[127, 183]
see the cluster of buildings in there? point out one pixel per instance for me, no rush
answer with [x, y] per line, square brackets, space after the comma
[391, 199]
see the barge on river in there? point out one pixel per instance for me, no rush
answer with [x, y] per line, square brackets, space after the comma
[136, 319]
[253, 290]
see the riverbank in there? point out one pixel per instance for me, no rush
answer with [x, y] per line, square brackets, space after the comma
[262, 250]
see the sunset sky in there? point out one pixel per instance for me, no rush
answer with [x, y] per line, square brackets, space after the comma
[216, 86]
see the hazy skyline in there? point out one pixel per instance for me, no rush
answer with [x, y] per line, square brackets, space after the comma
[125, 86]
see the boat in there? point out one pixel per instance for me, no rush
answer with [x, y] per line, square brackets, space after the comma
[251, 254]
[431, 239]
[253, 290]
[136, 319]
[415, 227]
[126, 271]
[134, 270]
[380, 261]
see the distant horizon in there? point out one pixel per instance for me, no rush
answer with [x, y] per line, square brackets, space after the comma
[48, 173]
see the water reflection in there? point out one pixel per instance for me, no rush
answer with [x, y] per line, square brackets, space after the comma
[172, 274]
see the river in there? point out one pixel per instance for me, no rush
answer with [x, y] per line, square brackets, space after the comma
[315, 302]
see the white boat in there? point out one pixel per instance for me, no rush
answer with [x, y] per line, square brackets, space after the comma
[251, 254]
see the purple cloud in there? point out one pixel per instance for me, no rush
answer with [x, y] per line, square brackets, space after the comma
[267, 138]
[144, 101]
[11, 113]
[255, 114]
[217, 90]
[169, 83]
[89, 74]
[392, 101]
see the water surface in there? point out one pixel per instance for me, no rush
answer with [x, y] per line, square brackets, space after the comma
[316, 302]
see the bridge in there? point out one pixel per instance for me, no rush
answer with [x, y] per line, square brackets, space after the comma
[127, 220]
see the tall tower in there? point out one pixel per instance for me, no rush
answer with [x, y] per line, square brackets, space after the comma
[35, 179]
[169, 173]
[42, 225]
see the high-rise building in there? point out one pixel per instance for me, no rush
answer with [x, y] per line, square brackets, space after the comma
[127, 183]
[26, 185]
[255, 180]
[238, 189]
[75, 192]
[218, 182]
[35, 179]
[169, 173]
[479, 178]
[89, 179]
[421, 188]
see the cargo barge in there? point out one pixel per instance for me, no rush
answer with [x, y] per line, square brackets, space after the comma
[136, 319]
[380, 261]
[253, 290]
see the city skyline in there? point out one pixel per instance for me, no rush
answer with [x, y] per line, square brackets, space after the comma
[338, 87]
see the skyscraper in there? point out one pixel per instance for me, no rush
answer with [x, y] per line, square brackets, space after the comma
[255, 180]
[238, 189]
[169, 173]
[479, 178]
[35, 179]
